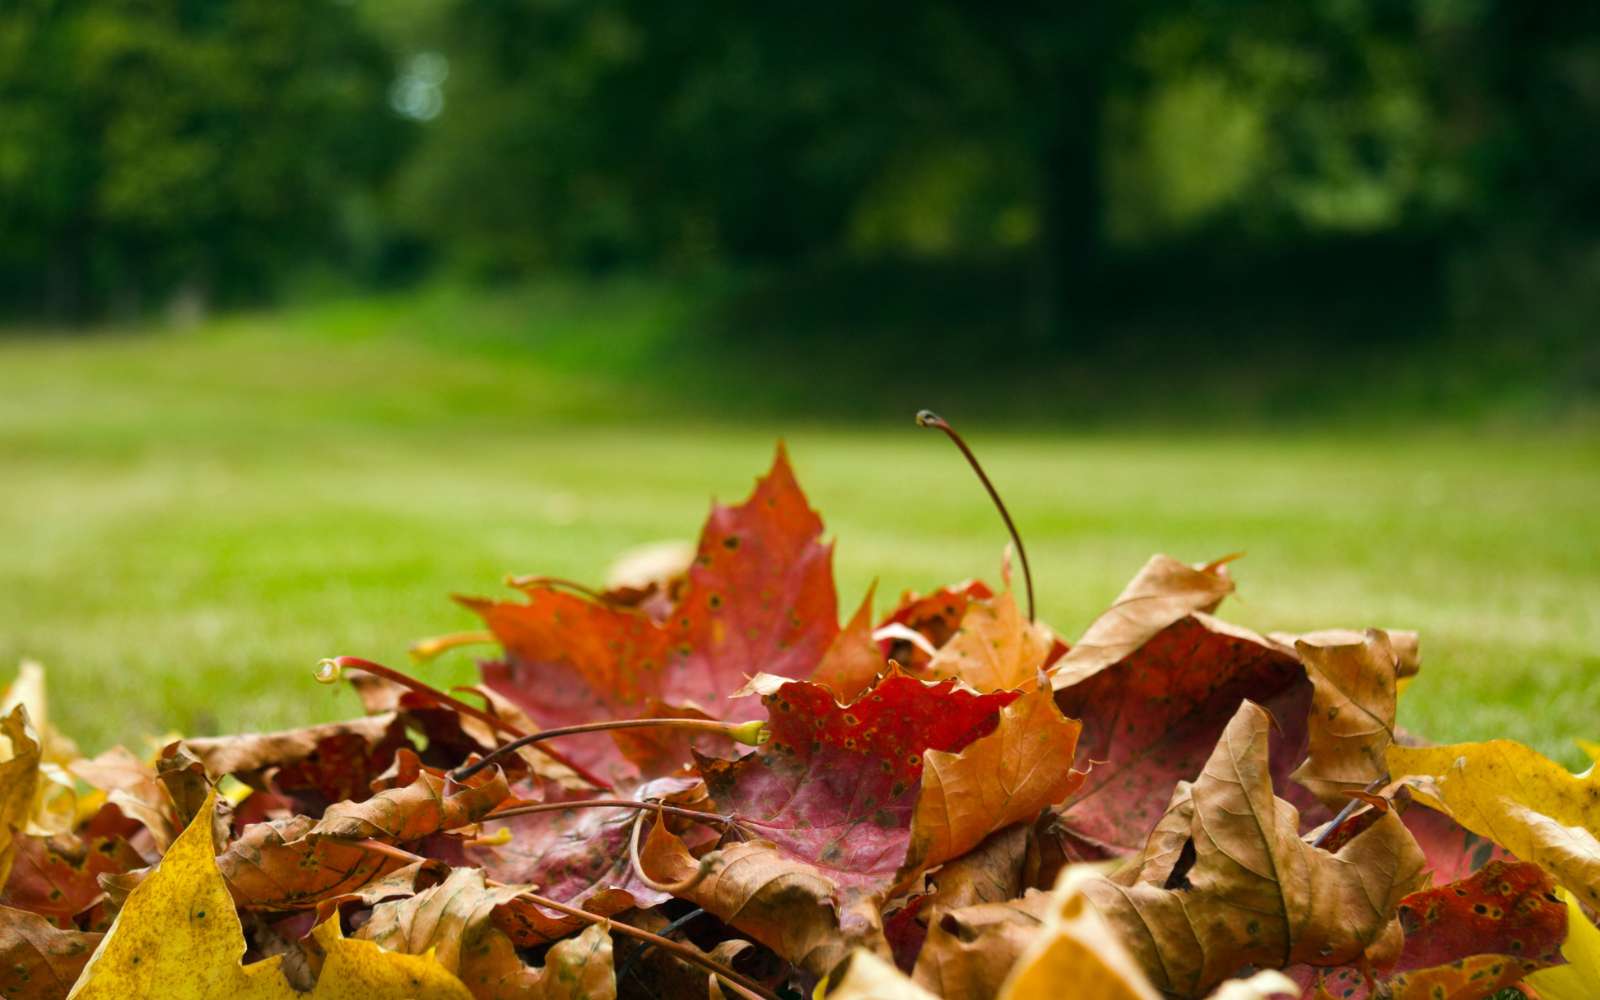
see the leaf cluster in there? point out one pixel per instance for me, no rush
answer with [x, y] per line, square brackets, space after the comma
[943, 800]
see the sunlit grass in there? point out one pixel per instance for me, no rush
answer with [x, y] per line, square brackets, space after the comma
[188, 522]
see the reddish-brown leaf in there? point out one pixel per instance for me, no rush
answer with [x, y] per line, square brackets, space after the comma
[935, 617]
[58, 877]
[1152, 718]
[1463, 941]
[580, 854]
[425, 805]
[853, 661]
[273, 866]
[837, 784]
[312, 767]
[37, 960]
[1248, 890]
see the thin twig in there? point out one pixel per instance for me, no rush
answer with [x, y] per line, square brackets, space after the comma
[928, 418]
[744, 732]
[540, 807]
[666, 932]
[741, 984]
[1349, 807]
[331, 668]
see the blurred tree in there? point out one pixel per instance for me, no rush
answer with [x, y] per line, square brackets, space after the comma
[616, 130]
[150, 147]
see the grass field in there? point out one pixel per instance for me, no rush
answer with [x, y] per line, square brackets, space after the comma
[188, 521]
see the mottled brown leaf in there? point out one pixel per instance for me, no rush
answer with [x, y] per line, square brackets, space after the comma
[1255, 893]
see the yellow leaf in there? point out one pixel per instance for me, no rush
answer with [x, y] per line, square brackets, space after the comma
[865, 976]
[1576, 979]
[19, 781]
[179, 938]
[1521, 800]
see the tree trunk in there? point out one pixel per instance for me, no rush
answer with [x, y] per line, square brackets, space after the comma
[1071, 203]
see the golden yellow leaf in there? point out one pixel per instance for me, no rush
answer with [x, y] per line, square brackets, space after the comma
[19, 781]
[865, 976]
[1516, 797]
[179, 938]
[1078, 946]
[1576, 980]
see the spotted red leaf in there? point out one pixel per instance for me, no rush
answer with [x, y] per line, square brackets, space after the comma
[837, 784]
[1464, 941]
[577, 856]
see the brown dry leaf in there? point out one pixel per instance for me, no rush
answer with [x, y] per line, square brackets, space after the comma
[995, 649]
[1007, 777]
[1351, 722]
[39, 961]
[454, 921]
[970, 950]
[250, 752]
[996, 870]
[1153, 719]
[276, 866]
[179, 938]
[853, 660]
[1255, 893]
[428, 804]
[1162, 592]
[1407, 645]
[1515, 796]
[131, 785]
[777, 899]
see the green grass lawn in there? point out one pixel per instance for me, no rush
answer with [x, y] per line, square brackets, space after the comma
[188, 521]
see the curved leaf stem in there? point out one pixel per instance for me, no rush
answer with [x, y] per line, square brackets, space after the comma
[928, 418]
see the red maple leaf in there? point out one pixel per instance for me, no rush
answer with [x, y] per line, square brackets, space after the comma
[759, 599]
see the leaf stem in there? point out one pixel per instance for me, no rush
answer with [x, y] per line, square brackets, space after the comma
[558, 583]
[928, 418]
[752, 733]
[330, 669]
[738, 982]
[707, 863]
[541, 807]
[432, 647]
[1349, 807]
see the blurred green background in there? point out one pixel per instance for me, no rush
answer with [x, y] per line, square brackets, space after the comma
[313, 311]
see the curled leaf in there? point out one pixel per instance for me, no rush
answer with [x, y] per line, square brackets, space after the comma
[1351, 722]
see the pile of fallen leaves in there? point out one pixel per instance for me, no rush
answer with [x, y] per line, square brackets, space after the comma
[945, 801]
